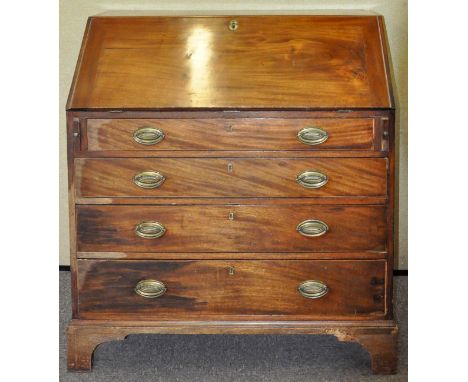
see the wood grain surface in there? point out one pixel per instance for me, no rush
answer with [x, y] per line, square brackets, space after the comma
[379, 337]
[230, 104]
[364, 255]
[230, 134]
[207, 287]
[231, 177]
[266, 228]
[198, 62]
[157, 201]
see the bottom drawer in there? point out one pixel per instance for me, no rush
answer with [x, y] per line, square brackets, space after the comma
[189, 289]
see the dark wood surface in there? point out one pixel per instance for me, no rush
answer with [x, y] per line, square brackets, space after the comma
[355, 255]
[378, 149]
[232, 154]
[231, 177]
[379, 337]
[198, 62]
[230, 134]
[342, 200]
[236, 97]
[73, 133]
[266, 228]
[206, 287]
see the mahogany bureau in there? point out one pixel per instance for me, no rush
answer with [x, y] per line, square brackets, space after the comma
[232, 175]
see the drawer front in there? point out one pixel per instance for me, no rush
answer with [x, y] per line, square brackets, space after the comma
[218, 287]
[261, 228]
[187, 289]
[210, 177]
[230, 134]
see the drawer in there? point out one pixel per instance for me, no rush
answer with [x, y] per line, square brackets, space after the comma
[230, 134]
[255, 228]
[183, 290]
[232, 177]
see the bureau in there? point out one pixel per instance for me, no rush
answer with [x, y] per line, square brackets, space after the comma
[232, 175]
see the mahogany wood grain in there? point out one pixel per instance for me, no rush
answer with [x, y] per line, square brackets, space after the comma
[120, 113]
[197, 177]
[370, 200]
[229, 134]
[72, 147]
[392, 208]
[207, 287]
[263, 228]
[367, 255]
[232, 154]
[239, 96]
[198, 62]
[379, 337]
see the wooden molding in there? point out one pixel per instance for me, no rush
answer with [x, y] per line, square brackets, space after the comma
[378, 337]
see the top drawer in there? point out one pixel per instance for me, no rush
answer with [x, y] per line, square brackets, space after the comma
[231, 134]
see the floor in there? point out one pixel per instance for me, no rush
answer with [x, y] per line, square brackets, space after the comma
[218, 358]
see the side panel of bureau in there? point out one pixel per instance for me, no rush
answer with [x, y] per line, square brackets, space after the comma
[255, 228]
[244, 288]
[212, 177]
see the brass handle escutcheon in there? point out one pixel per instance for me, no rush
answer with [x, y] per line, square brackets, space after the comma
[312, 179]
[150, 230]
[150, 288]
[312, 228]
[148, 136]
[312, 289]
[149, 179]
[312, 136]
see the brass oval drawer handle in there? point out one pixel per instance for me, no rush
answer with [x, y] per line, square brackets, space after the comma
[148, 136]
[150, 230]
[312, 228]
[312, 289]
[312, 179]
[149, 179]
[312, 136]
[150, 288]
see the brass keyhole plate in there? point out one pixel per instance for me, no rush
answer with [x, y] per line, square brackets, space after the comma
[233, 25]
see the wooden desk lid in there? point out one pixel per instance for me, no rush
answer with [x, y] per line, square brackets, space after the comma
[254, 62]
